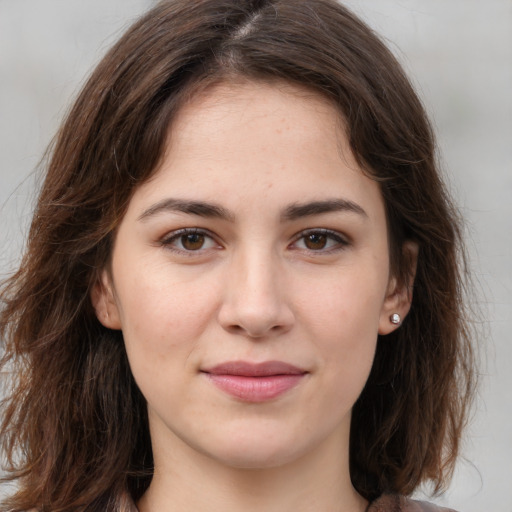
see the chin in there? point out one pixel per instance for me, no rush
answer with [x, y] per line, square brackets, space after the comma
[251, 449]
[256, 457]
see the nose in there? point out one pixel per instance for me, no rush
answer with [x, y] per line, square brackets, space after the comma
[254, 301]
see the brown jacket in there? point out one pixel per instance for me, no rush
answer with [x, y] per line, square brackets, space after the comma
[386, 503]
[393, 503]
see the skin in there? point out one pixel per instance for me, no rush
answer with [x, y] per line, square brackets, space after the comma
[252, 286]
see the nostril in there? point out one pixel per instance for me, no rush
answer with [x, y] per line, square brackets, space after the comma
[255, 306]
[255, 331]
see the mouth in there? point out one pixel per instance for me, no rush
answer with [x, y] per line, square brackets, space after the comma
[255, 382]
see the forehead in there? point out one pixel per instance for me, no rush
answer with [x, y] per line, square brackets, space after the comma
[242, 109]
[253, 138]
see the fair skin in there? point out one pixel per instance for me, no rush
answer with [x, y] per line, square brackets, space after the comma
[288, 262]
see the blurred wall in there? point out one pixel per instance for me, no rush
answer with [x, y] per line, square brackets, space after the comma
[459, 53]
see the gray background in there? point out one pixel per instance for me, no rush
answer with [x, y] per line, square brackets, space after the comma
[459, 53]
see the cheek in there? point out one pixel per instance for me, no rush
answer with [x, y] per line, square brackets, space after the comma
[161, 312]
[163, 321]
[343, 320]
[345, 302]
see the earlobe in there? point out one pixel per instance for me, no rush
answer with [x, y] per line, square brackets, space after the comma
[104, 303]
[399, 295]
[395, 308]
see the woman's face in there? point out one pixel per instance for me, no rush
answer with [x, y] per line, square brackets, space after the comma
[250, 277]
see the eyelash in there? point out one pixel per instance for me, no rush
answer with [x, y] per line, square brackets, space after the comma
[340, 242]
[168, 241]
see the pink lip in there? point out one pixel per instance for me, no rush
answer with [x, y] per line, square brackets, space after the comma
[252, 382]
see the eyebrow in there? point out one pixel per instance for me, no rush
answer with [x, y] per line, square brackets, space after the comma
[298, 210]
[199, 208]
[293, 212]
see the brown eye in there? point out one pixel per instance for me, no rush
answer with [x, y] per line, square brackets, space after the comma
[315, 241]
[189, 241]
[322, 241]
[192, 241]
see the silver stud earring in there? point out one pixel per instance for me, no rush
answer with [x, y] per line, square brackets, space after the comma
[395, 319]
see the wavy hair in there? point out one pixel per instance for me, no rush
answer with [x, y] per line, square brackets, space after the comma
[74, 427]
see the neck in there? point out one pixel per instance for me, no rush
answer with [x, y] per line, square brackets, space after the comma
[317, 481]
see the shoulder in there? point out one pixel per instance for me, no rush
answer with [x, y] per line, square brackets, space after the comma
[395, 503]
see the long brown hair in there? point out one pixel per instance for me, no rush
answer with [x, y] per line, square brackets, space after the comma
[74, 427]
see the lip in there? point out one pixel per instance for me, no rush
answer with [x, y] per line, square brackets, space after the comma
[255, 382]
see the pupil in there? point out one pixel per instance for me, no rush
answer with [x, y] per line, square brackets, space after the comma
[192, 241]
[316, 241]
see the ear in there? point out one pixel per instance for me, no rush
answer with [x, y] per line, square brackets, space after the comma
[399, 295]
[104, 302]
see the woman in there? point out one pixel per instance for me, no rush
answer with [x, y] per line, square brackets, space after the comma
[216, 307]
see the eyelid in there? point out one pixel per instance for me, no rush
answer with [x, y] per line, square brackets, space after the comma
[342, 241]
[167, 240]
